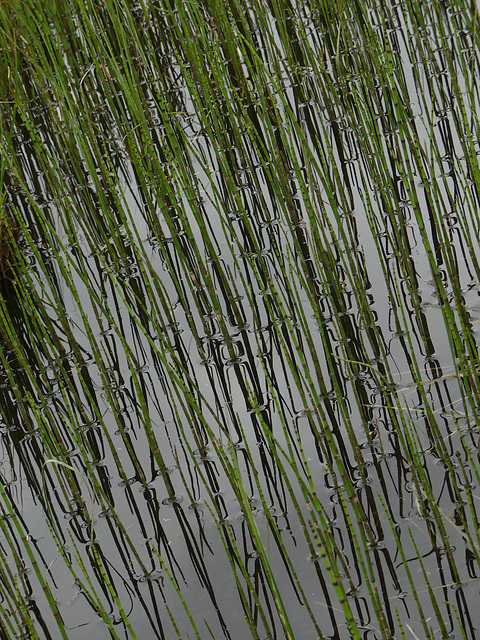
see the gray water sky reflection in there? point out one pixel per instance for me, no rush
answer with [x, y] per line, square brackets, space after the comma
[204, 320]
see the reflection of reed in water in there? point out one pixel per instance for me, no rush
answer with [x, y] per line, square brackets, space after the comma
[234, 220]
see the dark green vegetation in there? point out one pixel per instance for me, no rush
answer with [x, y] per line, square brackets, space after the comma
[239, 378]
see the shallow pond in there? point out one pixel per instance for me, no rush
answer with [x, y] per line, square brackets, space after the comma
[239, 382]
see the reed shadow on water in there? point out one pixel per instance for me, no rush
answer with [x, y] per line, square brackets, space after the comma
[239, 372]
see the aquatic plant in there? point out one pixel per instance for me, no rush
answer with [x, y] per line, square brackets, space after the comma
[10, 242]
[239, 374]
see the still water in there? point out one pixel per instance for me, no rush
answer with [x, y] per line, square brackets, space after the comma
[236, 319]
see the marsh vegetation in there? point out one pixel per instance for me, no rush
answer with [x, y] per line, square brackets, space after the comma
[239, 368]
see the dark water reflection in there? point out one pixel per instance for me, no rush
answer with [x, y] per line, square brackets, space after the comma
[272, 302]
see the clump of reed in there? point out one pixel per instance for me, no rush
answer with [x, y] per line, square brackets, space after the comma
[239, 386]
[11, 241]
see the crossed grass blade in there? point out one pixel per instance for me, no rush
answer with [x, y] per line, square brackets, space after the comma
[249, 597]
[15, 615]
[27, 547]
[99, 29]
[187, 391]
